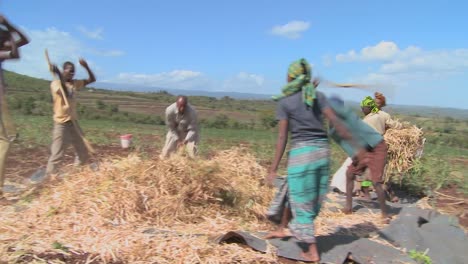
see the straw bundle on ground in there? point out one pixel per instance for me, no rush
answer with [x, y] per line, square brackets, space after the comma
[137, 211]
[405, 144]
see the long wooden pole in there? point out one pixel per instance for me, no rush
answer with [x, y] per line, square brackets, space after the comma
[348, 85]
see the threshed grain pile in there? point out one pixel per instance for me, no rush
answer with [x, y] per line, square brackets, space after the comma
[101, 217]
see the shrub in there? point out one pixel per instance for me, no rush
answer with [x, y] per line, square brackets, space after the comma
[100, 105]
[220, 121]
[28, 106]
[113, 108]
[269, 121]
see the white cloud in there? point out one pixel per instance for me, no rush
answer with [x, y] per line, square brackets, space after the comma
[107, 53]
[246, 82]
[92, 34]
[402, 71]
[412, 63]
[436, 61]
[259, 80]
[62, 46]
[194, 80]
[383, 51]
[292, 30]
[176, 79]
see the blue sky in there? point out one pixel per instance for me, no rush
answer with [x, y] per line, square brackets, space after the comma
[416, 52]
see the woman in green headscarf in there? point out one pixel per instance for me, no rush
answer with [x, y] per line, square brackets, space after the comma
[374, 160]
[368, 106]
[300, 110]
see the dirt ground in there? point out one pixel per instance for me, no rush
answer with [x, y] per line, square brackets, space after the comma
[23, 162]
[69, 257]
[451, 201]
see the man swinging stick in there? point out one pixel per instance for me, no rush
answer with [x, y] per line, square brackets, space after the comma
[66, 129]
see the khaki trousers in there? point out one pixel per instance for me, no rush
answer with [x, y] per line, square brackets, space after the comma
[4, 147]
[63, 135]
[170, 146]
[8, 123]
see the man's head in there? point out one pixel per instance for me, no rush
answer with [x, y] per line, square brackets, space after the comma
[181, 103]
[68, 71]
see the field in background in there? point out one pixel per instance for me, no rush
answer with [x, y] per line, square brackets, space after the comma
[225, 122]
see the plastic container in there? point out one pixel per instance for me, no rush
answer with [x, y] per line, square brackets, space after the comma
[126, 140]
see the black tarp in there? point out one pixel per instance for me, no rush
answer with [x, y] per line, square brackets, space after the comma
[421, 230]
[334, 248]
[411, 229]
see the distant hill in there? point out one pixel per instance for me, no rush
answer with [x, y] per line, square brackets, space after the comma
[113, 91]
[216, 94]
[427, 111]
[423, 111]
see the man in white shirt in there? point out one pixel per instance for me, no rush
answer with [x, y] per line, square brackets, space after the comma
[182, 122]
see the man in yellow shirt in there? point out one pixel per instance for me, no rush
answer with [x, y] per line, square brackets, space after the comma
[65, 116]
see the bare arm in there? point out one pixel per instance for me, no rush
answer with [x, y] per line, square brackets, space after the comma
[23, 40]
[5, 55]
[280, 145]
[91, 77]
[12, 54]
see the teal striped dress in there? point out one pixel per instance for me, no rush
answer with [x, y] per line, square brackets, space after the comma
[308, 173]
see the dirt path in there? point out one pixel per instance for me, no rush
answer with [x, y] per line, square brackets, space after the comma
[451, 201]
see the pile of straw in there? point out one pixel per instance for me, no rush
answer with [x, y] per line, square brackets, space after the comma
[103, 215]
[405, 144]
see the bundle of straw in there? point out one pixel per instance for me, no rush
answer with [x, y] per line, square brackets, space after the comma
[405, 143]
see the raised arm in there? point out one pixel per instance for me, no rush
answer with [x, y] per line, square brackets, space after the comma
[91, 77]
[23, 40]
[13, 53]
